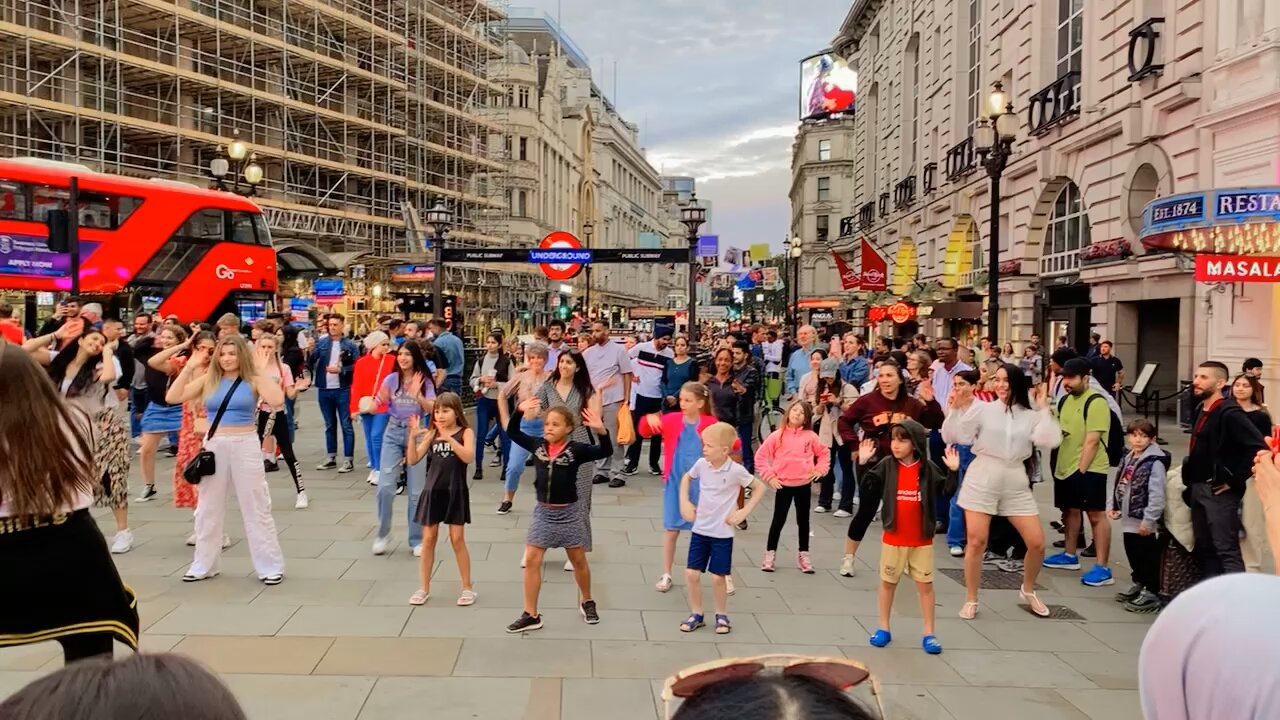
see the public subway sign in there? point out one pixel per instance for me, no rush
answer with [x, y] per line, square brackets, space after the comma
[1237, 268]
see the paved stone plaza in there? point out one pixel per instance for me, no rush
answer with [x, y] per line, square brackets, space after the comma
[338, 641]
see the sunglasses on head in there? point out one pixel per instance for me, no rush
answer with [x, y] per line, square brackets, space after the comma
[837, 673]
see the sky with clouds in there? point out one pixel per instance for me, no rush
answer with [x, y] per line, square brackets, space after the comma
[713, 85]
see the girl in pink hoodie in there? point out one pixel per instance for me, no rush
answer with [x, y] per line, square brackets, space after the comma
[791, 460]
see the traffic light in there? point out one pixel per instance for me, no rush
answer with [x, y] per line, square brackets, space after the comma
[59, 223]
[735, 313]
[562, 312]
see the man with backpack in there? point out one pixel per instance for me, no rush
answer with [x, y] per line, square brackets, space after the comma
[1080, 467]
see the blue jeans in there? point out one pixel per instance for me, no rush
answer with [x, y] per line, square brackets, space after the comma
[955, 528]
[374, 425]
[335, 404]
[453, 384]
[745, 435]
[289, 404]
[517, 455]
[394, 439]
[486, 412]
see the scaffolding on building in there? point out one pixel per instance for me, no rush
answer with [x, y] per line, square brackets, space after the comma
[352, 107]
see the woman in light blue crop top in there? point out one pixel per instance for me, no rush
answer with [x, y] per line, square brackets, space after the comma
[410, 391]
[239, 374]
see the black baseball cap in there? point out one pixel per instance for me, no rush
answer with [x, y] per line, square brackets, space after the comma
[1076, 367]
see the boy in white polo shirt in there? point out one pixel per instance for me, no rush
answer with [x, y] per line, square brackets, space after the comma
[714, 518]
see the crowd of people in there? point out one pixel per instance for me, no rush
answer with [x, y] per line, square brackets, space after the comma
[930, 437]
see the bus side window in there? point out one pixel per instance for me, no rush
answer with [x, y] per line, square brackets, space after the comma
[45, 198]
[13, 200]
[205, 225]
[242, 228]
[264, 234]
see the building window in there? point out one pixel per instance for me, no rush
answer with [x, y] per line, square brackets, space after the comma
[824, 189]
[1070, 35]
[824, 226]
[975, 64]
[524, 148]
[824, 150]
[911, 100]
[523, 97]
[1067, 233]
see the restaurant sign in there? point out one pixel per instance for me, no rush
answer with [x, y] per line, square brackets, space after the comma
[1237, 268]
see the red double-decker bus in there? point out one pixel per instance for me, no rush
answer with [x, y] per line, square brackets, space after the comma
[196, 253]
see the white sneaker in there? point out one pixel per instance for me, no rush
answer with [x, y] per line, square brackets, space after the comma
[373, 478]
[226, 541]
[568, 566]
[819, 509]
[417, 550]
[122, 542]
[303, 503]
[842, 513]
[957, 551]
[380, 545]
[847, 566]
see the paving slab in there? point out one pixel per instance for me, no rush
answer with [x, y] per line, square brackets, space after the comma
[390, 656]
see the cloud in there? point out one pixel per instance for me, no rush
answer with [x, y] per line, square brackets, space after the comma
[713, 85]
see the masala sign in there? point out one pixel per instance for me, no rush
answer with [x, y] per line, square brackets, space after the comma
[1237, 268]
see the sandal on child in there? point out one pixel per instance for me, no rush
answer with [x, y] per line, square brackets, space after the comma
[931, 645]
[419, 597]
[467, 598]
[1034, 605]
[722, 624]
[969, 611]
[881, 638]
[693, 622]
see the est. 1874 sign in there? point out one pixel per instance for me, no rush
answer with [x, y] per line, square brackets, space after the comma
[1237, 268]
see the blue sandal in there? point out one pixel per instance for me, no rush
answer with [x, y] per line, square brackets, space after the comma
[881, 638]
[722, 625]
[931, 645]
[693, 622]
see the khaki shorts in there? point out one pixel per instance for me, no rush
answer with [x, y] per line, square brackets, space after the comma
[915, 561]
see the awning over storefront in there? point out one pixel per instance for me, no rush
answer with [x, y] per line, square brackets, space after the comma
[1232, 221]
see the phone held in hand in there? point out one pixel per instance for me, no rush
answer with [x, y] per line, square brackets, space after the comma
[1275, 440]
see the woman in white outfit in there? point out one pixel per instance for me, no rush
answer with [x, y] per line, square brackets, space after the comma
[242, 376]
[1004, 434]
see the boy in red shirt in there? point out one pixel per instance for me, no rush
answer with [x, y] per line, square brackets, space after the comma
[908, 484]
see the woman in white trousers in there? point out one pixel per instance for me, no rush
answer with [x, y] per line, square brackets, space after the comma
[237, 382]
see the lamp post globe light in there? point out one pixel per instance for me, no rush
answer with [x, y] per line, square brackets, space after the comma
[693, 216]
[237, 165]
[794, 248]
[993, 141]
[439, 219]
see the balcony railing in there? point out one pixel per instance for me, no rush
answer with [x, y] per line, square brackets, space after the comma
[1057, 103]
[1061, 263]
[904, 193]
[967, 279]
[884, 204]
[961, 159]
[867, 215]
[930, 177]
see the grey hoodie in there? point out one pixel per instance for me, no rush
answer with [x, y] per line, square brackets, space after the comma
[1154, 509]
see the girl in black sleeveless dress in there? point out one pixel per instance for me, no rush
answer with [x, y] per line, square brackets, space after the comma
[449, 445]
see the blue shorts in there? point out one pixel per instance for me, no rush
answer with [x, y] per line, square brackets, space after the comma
[161, 418]
[710, 554]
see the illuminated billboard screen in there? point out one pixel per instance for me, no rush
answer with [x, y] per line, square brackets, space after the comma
[828, 86]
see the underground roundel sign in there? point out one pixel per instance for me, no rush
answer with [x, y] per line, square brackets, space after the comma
[560, 240]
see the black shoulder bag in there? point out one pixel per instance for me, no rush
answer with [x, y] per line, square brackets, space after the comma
[204, 464]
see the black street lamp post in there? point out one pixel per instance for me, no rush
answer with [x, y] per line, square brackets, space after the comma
[440, 219]
[993, 142]
[693, 216]
[588, 228]
[794, 248]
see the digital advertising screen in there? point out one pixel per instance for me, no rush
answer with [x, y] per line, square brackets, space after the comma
[828, 86]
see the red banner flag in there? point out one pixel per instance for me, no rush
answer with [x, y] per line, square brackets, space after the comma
[875, 270]
[848, 278]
